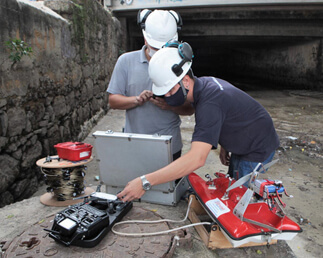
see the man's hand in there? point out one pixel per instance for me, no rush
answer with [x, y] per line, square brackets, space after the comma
[224, 157]
[144, 97]
[186, 109]
[133, 190]
[160, 102]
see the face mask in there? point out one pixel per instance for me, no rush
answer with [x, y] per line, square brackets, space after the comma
[151, 52]
[178, 98]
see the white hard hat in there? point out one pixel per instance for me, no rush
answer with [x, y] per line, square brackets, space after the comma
[159, 26]
[168, 66]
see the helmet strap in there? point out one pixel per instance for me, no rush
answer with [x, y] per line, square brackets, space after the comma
[183, 88]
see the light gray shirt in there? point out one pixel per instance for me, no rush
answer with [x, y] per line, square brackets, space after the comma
[129, 78]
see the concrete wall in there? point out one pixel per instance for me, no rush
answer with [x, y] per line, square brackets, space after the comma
[286, 65]
[294, 66]
[58, 93]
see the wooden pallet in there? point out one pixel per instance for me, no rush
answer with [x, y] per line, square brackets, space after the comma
[213, 239]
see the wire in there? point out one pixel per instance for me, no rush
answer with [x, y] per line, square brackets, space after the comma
[65, 183]
[156, 221]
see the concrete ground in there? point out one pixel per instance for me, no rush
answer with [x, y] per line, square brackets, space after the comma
[19, 216]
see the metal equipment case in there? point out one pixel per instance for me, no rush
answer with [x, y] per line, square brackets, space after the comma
[125, 156]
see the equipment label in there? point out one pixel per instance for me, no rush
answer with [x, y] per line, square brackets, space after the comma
[84, 154]
[217, 207]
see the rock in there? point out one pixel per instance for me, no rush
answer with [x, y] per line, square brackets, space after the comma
[3, 123]
[9, 171]
[31, 155]
[6, 198]
[3, 142]
[3, 102]
[59, 106]
[89, 86]
[24, 188]
[16, 121]
[18, 188]
[17, 154]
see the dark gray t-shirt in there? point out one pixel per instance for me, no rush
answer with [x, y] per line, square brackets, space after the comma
[129, 78]
[226, 115]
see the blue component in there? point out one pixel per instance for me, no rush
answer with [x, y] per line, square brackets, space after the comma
[272, 188]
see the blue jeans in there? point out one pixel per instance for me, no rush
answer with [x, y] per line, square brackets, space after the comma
[239, 168]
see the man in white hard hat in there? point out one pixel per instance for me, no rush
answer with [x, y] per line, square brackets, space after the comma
[224, 115]
[130, 87]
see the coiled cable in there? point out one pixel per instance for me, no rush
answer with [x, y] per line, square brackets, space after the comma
[65, 183]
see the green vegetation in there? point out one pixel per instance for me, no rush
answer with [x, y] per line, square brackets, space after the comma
[18, 48]
[85, 24]
[79, 18]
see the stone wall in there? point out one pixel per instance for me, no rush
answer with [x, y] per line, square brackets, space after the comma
[58, 93]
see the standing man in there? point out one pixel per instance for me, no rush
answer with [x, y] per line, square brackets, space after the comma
[130, 85]
[224, 115]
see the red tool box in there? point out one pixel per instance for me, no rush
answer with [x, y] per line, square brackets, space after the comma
[74, 151]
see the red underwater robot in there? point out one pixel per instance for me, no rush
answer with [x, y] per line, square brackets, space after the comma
[246, 214]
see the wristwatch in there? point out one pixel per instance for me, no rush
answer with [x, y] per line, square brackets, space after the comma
[145, 183]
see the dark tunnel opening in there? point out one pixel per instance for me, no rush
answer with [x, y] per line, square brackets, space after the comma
[253, 63]
[265, 49]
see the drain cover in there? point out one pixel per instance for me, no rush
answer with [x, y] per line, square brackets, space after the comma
[34, 242]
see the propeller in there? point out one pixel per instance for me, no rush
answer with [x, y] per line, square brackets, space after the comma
[268, 165]
[246, 178]
[241, 181]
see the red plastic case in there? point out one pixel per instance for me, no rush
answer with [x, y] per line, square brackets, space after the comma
[74, 151]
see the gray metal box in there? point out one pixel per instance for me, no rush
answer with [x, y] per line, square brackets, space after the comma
[125, 156]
